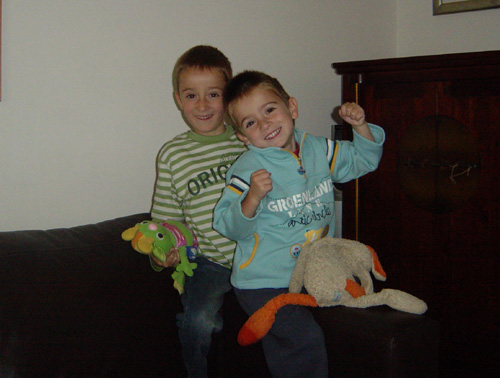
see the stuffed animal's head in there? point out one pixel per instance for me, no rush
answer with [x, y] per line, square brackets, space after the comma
[327, 266]
[148, 238]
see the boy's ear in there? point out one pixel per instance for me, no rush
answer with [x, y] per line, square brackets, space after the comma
[178, 100]
[293, 107]
[243, 138]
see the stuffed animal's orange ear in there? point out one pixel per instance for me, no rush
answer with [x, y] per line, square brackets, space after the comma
[377, 269]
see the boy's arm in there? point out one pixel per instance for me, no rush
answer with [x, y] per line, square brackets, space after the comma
[229, 217]
[166, 205]
[359, 157]
[364, 131]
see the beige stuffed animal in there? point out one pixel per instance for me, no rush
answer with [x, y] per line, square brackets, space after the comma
[334, 272]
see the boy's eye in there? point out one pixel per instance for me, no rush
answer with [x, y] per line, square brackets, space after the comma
[270, 110]
[215, 94]
[249, 124]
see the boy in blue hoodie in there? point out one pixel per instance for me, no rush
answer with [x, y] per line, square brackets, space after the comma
[278, 197]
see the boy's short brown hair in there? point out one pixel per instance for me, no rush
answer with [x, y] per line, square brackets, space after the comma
[202, 57]
[242, 84]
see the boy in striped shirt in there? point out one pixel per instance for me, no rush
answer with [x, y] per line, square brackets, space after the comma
[191, 172]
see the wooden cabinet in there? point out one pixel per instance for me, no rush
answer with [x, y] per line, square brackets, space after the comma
[431, 210]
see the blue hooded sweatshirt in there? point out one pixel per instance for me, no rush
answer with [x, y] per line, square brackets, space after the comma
[298, 210]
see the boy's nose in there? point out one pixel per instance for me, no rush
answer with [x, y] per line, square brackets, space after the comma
[265, 124]
[202, 104]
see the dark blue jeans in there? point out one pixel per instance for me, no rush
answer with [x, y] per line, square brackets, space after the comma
[294, 346]
[202, 299]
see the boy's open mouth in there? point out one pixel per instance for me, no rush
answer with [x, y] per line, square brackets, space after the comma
[204, 118]
[274, 134]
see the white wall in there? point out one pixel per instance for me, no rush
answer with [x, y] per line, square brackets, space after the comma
[421, 33]
[86, 97]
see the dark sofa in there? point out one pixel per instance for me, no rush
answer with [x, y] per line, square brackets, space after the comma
[79, 302]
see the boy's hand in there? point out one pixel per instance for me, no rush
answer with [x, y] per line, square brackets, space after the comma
[173, 258]
[260, 185]
[354, 115]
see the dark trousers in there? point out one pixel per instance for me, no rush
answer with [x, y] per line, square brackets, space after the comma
[294, 347]
[202, 300]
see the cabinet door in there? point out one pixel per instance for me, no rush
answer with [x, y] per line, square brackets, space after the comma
[472, 233]
[447, 258]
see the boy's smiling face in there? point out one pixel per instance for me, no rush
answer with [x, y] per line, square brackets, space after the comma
[264, 120]
[199, 96]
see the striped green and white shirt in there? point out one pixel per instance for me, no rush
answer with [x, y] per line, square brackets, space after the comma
[191, 171]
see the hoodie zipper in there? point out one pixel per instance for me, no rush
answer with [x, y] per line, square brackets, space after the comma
[301, 169]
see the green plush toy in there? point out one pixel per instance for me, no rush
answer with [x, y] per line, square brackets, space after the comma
[152, 238]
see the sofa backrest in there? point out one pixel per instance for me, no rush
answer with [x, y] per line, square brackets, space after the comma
[81, 302]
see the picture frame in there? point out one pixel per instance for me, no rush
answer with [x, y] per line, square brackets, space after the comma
[440, 7]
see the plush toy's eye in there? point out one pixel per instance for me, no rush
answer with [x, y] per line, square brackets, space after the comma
[159, 236]
[144, 222]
